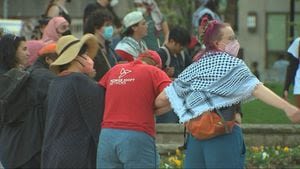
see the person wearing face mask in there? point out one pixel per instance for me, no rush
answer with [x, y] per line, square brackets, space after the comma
[75, 106]
[217, 80]
[158, 29]
[99, 23]
[101, 5]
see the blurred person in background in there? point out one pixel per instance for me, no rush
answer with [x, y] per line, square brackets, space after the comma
[174, 61]
[293, 72]
[58, 8]
[100, 23]
[106, 4]
[280, 67]
[132, 44]
[207, 9]
[56, 28]
[158, 29]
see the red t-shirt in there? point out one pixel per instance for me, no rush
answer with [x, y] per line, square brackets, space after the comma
[131, 90]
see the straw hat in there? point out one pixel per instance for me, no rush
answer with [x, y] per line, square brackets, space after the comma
[68, 47]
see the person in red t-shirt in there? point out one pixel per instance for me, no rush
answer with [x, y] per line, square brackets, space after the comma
[128, 126]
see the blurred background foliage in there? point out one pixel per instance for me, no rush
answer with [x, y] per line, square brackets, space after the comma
[179, 12]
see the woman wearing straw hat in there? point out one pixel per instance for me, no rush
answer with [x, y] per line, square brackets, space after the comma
[74, 106]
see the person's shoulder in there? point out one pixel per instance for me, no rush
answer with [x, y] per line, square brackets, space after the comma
[123, 45]
[54, 7]
[161, 51]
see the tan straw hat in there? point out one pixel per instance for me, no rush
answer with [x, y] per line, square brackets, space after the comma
[68, 47]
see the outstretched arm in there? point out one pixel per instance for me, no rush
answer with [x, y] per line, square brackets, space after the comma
[269, 97]
[162, 104]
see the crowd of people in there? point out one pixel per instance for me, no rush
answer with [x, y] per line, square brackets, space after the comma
[91, 104]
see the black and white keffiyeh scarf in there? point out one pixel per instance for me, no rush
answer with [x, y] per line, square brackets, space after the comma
[217, 76]
[131, 46]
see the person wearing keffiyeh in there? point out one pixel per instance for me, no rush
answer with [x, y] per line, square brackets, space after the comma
[217, 79]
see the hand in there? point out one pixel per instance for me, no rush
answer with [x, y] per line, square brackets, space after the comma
[293, 114]
[92, 74]
[170, 71]
[285, 94]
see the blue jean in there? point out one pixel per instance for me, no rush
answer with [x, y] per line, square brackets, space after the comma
[126, 149]
[226, 151]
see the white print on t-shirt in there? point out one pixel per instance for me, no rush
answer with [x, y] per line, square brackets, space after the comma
[124, 72]
[121, 81]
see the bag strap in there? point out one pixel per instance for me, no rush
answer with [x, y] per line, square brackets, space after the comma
[218, 112]
[168, 61]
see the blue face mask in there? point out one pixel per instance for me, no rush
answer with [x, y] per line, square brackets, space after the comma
[108, 32]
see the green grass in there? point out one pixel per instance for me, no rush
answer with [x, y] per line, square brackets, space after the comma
[257, 112]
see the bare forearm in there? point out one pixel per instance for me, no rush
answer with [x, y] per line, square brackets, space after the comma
[269, 97]
[163, 110]
[266, 95]
[162, 103]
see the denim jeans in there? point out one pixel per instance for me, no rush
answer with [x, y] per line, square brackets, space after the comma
[126, 149]
[226, 151]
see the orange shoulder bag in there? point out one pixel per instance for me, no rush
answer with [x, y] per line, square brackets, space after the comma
[210, 124]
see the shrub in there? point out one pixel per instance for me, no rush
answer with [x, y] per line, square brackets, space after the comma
[276, 157]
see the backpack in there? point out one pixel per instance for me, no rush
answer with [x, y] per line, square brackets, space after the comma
[13, 96]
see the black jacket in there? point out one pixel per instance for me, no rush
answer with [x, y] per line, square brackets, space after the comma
[75, 109]
[21, 141]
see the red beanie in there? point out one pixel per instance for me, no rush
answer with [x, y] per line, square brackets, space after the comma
[152, 54]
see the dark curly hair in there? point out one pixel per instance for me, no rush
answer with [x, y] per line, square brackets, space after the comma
[9, 44]
[97, 20]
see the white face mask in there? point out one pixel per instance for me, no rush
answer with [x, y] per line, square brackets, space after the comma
[141, 9]
[114, 2]
[233, 48]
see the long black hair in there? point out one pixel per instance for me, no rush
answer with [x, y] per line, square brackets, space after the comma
[9, 44]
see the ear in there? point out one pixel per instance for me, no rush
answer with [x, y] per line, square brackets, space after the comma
[48, 60]
[218, 45]
[134, 28]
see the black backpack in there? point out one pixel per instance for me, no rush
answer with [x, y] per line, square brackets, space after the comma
[13, 96]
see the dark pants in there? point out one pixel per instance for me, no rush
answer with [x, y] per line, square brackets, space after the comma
[169, 117]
